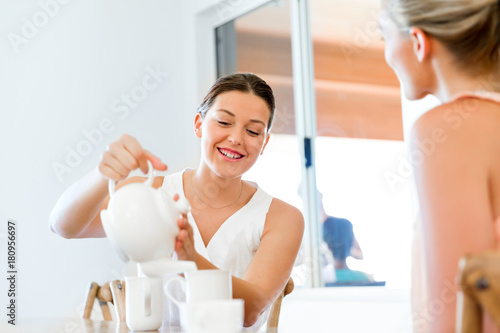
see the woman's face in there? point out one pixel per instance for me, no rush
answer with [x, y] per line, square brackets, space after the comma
[401, 57]
[233, 133]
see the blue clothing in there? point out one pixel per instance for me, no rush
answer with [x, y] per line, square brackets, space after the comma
[348, 275]
[338, 235]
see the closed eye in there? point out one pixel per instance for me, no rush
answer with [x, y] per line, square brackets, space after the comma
[253, 133]
[223, 123]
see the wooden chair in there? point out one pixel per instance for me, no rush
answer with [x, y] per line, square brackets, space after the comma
[479, 290]
[274, 315]
[113, 292]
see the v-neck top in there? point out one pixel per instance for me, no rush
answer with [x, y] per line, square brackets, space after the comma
[231, 248]
[234, 244]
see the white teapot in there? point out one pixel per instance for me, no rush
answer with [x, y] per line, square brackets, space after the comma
[141, 224]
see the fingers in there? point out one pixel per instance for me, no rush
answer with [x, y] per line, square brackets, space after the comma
[182, 222]
[109, 172]
[179, 242]
[125, 155]
[184, 242]
[156, 162]
[111, 167]
[133, 152]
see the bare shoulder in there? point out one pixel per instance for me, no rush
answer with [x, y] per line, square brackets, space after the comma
[284, 215]
[463, 132]
[463, 117]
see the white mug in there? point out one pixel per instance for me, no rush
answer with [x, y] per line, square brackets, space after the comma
[143, 303]
[203, 285]
[215, 316]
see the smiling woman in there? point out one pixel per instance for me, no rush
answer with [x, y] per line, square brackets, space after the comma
[236, 128]
[233, 224]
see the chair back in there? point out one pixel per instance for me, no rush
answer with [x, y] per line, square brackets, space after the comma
[479, 290]
[112, 292]
[274, 315]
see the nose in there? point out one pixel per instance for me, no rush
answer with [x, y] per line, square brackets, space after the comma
[235, 136]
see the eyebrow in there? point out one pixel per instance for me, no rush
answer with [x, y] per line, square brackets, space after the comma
[233, 115]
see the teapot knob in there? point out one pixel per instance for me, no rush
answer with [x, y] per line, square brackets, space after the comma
[149, 181]
[182, 205]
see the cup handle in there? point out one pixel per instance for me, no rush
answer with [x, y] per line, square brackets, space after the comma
[167, 292]
[147, 297]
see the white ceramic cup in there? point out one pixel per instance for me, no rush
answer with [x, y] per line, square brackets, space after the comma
[215, 316]
[203, 285]
[143, 303]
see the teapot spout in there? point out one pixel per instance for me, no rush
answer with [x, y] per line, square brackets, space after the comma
[160, 267]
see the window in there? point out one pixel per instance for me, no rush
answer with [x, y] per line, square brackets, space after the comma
[359, 127]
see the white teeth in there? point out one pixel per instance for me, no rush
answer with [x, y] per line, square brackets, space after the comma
[230, 155]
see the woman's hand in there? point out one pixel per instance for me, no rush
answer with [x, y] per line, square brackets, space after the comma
[184, 242]
[125, 155]
[76, 214]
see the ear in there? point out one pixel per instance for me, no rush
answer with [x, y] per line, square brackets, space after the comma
[198, 120]
[421, 43]
[265, 144]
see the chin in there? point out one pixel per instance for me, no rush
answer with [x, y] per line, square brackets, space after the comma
[414, 95]
[227, 172]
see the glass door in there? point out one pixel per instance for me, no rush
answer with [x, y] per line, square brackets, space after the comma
[361, 158]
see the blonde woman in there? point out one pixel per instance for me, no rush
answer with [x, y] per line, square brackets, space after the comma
[450, 49]
[233, 224]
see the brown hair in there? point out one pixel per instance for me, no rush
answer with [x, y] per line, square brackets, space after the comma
[244, 82]
[469, 29]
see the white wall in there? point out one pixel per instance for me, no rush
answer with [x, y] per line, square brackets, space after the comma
[64, 78]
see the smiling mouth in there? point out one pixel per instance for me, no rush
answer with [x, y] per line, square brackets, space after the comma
[230, 154]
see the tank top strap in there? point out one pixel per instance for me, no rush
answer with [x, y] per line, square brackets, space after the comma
[173, 184]
[481, 94]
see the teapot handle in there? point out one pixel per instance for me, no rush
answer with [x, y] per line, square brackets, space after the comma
[149, 181]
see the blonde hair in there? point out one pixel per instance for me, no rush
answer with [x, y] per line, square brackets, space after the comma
[469, 29]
